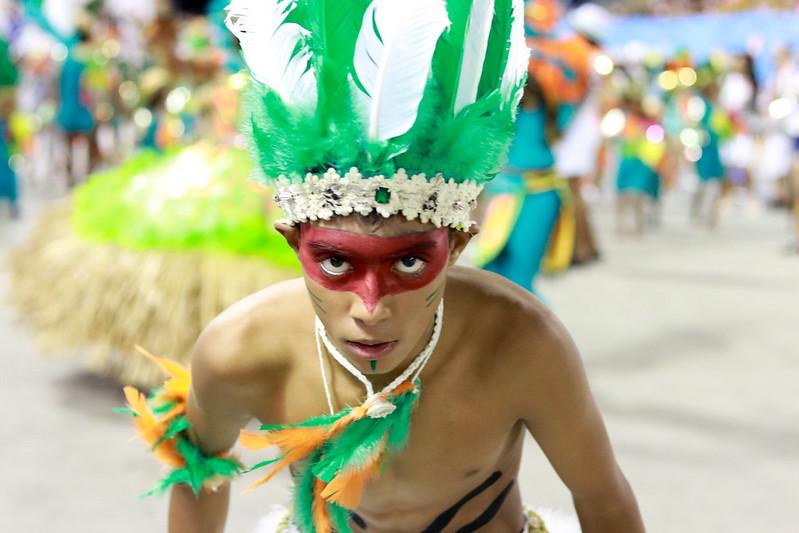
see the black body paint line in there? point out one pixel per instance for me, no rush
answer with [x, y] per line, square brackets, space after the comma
[360, 522]
[490, 512]
[446, 517]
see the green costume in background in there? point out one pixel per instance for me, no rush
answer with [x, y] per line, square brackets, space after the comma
[709, 166]
[8, 81]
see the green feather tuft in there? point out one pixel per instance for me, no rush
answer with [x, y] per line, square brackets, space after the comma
[262, 464]
[324, 420]
[401, 427]
[470, 146]
[303, 498]
[353, 448]
[340, 518]
[449, 53]
[177, 425]
[161, 408]
[199, 469]
[498, 47]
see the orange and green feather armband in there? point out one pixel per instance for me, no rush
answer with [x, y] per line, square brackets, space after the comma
[161, 422]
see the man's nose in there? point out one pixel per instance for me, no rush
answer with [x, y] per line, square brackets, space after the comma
[369, 316]
[369, 307]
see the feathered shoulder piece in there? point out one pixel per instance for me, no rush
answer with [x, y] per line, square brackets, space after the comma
[388, 106]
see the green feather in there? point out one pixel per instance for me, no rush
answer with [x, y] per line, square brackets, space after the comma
[401, 426]
[161, 408]
[340, 518]
[498, 48]
[448, 57]
[473, 144]
[334, 26]
[177, 425]
[364, 440]
[199, 468]
[353, 448]
[303, 498]
[324, 420]
[262, 464]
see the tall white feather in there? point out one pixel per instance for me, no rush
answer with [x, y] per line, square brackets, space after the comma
[518, 55]
[393, 59]
[475, 44]
[273, 49]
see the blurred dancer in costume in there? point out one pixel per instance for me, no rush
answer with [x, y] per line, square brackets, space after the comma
[529, 218]
[641, 150]
[774, 171]
[74, 116]
[712, 126]
[154, 248]
[781, 103]
[69, 25]
[577, 153]
[738, 98]
[8, 82]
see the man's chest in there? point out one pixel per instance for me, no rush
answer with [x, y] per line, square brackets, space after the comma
[457, 438]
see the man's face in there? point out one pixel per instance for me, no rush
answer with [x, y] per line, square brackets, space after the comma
[376, 287]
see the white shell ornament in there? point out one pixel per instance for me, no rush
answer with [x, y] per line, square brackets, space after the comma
[380, 408]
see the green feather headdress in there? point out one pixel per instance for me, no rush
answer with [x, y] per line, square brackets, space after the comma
[393, 106]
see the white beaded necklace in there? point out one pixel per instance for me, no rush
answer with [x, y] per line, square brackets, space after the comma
[380, 407]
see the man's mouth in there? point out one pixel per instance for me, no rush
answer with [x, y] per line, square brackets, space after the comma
[371, 350]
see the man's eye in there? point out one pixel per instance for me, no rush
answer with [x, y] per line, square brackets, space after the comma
[335, 266]
[409, 265]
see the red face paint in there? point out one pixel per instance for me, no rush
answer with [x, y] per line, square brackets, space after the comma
[372, 267]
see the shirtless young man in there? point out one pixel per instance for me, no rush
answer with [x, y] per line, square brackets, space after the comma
[504, 366]
[464, 362]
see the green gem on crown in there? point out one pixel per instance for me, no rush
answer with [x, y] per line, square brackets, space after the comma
[382, 195]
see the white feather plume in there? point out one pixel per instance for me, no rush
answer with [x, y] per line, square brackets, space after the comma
[475, 44]
[393, 59]
[518, 55]
[274, 49]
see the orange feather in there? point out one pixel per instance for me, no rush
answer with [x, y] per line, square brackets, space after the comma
[152, 429]
[321, 518]
[177, 387]
[346, 489]
[300, 449]
[298, 442]
[254, 441]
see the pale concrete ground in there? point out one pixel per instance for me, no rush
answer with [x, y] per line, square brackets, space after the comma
[690, 342]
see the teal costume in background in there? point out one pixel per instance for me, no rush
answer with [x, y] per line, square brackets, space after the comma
[634, 176]
[73, 115]
[9, 76]
[8, 178]
[520, 260]
[709, 166]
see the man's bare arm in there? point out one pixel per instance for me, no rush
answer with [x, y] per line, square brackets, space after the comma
[562, 416]
[217, 410]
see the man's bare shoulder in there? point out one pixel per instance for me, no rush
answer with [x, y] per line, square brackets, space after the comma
[254, 334]
[509, 324]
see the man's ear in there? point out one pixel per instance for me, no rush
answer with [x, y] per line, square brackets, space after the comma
[459, 240]
[290, 233]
